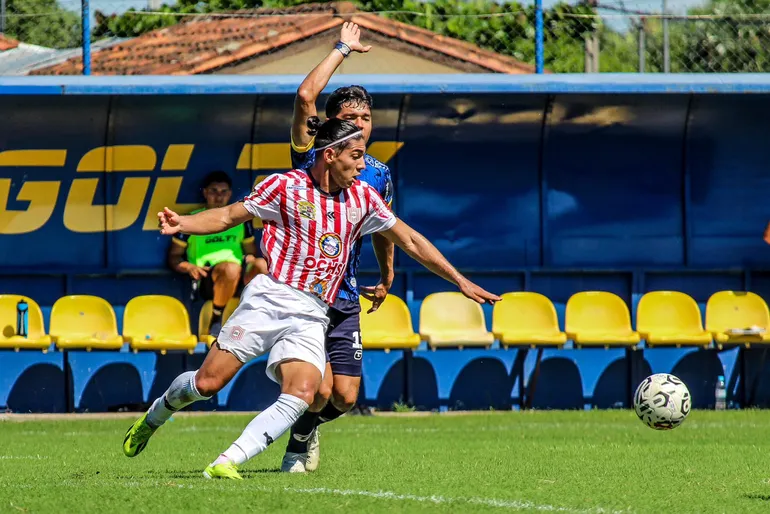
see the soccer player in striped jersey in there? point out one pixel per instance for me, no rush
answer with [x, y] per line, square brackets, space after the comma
[342, 381]
[285, 312]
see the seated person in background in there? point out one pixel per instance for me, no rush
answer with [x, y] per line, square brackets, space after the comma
[216, 260]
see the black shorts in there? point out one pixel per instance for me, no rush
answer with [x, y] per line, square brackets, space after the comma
[343, 338]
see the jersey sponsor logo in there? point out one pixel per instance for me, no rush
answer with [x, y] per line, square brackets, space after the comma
[330, 245]
[322, 266]
[306, 210]
[220, 239]
[236, 334]
[354, 215]
[319, 287]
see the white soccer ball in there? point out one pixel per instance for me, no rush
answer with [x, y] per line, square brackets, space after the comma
[662, 401]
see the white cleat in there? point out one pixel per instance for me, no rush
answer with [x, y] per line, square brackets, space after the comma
[313, 451]
[294, 463]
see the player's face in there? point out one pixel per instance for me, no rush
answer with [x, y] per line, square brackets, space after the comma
[217, 194]
[348, 164]
[360, 115]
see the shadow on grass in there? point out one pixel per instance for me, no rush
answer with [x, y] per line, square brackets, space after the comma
[761, 497]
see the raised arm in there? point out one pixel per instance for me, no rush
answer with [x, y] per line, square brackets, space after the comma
[423, 251]
[210, 221]
[316, 81]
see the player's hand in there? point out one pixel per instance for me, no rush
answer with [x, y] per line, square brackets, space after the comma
[169, 222]
[478, 294]
[197, 272]
[350, 35]
[375, 294]
[767, 234]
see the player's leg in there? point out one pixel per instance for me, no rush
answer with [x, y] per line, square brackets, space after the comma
[217, 370]
[343, 345]
[225, 276]
[297, 361]
[295, 457]
[299, 382]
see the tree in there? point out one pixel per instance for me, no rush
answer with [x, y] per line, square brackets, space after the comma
[42, 22]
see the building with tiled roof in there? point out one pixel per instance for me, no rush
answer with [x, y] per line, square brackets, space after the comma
[288, 41]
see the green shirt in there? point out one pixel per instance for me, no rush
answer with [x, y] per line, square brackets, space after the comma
[210, 250]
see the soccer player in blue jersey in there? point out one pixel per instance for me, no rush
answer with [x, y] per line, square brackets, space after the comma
[343, 338]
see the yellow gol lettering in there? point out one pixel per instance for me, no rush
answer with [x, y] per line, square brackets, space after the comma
[82, 215]
[42, 201]
[165, 195]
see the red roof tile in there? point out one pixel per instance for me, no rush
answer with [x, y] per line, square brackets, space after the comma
[7, 43]
[205, 44]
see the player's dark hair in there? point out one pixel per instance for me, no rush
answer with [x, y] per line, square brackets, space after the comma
[217, 176]
[356, 96]
[331, 130]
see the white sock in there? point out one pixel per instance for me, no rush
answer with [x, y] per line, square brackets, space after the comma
[264, 429]
[181, 393]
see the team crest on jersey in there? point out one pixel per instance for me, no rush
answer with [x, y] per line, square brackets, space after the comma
[330, 245]
[319, 287]
[306, 210]
[354, 215]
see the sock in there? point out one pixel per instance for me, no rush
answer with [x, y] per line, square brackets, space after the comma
[266, 428]
[301, 431]
[181, 393]
[329, 413]
[216, 314]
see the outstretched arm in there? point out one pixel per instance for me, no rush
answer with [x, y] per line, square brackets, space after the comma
[423, 251]
[383, 250]
[210, 221]
[316, 81]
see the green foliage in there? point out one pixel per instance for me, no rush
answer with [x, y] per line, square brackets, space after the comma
[42, 22]
[732, 43]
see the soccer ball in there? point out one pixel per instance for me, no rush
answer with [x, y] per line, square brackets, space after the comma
[662, 401]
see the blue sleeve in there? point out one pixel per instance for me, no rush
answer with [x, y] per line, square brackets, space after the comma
[302, 158]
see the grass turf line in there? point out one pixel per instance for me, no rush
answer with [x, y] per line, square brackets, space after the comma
[569, 462]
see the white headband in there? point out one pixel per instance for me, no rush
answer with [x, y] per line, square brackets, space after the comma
[335, 143]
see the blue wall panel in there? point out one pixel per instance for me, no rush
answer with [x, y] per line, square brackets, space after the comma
[727, 158]
[613, 169]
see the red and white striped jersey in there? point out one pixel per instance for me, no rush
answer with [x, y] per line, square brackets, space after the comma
[308, 234]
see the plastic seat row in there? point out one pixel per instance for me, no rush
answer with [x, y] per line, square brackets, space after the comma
[593, 318]
[88, 322]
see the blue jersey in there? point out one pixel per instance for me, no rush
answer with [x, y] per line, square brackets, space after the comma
[376, 175]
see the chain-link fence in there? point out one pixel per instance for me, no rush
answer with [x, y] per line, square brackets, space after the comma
[585, 36]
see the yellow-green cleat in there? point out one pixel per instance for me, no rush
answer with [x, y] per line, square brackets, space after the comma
[137, 437]
[227, 470]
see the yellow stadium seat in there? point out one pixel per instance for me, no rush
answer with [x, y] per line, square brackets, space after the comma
[389, 328]
[451, 319]
[670, 318]
[599, 318]
[36, 337]
[526, 319]
[205, 318]
[156, 322]
[737, 317]
[84, 322]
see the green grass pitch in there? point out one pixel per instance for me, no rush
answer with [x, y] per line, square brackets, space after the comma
[565, 462]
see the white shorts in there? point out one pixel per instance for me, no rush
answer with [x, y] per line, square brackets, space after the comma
[276, 318]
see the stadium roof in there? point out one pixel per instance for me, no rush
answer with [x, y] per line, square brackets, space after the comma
[209, 44]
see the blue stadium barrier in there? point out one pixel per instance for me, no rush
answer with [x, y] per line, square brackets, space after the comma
[555, 184]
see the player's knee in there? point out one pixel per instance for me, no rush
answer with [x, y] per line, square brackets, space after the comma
[229, 272]
[345, 397]
[324, 393]
[305, 390]
[208, 385]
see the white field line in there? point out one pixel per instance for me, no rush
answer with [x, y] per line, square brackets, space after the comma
[512, 505]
